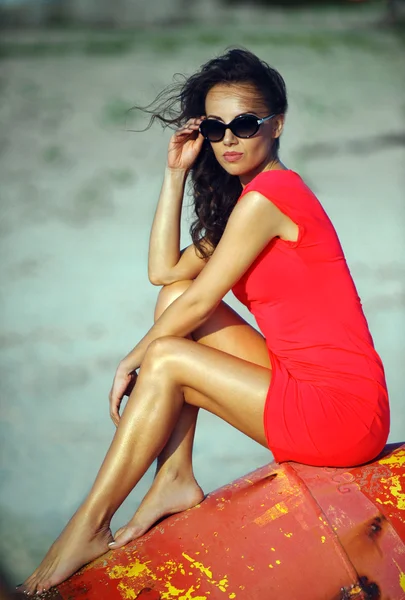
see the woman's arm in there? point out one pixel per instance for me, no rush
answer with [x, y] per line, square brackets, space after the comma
[188, 267]
[254, 221]
[166, 263]
[164, 243]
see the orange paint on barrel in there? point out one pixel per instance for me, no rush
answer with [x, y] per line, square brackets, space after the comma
[355, 515]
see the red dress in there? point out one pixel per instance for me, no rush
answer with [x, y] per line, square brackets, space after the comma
[328, 403]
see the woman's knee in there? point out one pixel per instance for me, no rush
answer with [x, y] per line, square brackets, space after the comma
[170, 293]
[160, 352]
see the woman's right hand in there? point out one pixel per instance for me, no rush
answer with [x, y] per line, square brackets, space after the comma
[123, 384]
[185, 145]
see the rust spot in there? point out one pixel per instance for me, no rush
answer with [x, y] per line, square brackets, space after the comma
[371, 589]
[374, 527]
[362, 590]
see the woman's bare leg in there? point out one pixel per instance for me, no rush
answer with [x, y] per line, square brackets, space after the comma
[175, 488]
[235, 391]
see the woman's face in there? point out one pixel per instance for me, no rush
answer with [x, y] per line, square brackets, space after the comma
[250, 155]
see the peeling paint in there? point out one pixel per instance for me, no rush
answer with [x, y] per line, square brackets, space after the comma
[276, 511]
[396, 490]
[133, 570]
[126, 592]
[168, 569]
[188, 595]
[402, 580]
[222, 584]
[172, 592]
[396, 460]
[171, 567]
[205, 570]
[401, 576]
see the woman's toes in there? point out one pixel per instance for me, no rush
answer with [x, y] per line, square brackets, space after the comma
[42, 589]
[118, 532]
[30, 582]
[28, 589]
[20, 589]
[34, 586]
[126, 535]
[33, 590]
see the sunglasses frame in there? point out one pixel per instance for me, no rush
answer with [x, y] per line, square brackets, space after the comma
[259, 122]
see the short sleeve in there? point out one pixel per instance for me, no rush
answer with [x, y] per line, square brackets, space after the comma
[285, 189]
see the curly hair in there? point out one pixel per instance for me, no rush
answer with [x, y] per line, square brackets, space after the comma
[215, 191]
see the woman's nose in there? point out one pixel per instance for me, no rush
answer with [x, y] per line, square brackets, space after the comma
[229, 137]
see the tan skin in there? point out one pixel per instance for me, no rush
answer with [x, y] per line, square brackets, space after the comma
[195, 333]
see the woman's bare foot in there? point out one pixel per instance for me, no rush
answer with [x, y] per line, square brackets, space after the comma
[78, 544]
[167, 496]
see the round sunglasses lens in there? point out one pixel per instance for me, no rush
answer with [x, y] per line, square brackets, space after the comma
[213, 130]
[245, 127]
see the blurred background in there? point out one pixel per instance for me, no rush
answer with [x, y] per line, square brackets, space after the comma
[78, 194]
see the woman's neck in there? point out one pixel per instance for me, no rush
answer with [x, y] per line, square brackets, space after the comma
[273, 165]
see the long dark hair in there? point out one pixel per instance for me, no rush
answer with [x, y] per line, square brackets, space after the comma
[215, 191]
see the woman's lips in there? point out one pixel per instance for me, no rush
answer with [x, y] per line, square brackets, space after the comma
[233, 156]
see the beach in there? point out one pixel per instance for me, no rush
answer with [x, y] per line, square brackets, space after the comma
[78, 195]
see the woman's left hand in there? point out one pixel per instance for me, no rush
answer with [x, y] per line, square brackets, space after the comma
[123, 384]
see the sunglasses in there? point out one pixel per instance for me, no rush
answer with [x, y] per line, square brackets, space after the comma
[244, 126]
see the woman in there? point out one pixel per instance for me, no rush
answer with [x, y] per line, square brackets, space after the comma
[311, 388]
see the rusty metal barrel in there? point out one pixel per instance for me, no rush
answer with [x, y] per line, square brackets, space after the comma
[285, 531]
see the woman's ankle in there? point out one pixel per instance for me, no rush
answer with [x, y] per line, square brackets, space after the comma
[98, 515]
[175, 472]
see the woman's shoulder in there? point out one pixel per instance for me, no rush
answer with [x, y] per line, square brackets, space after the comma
[288, 191]
[277, 182]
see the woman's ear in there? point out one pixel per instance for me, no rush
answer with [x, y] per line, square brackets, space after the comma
[278, 125]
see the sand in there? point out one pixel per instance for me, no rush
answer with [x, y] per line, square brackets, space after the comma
[78, 194]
